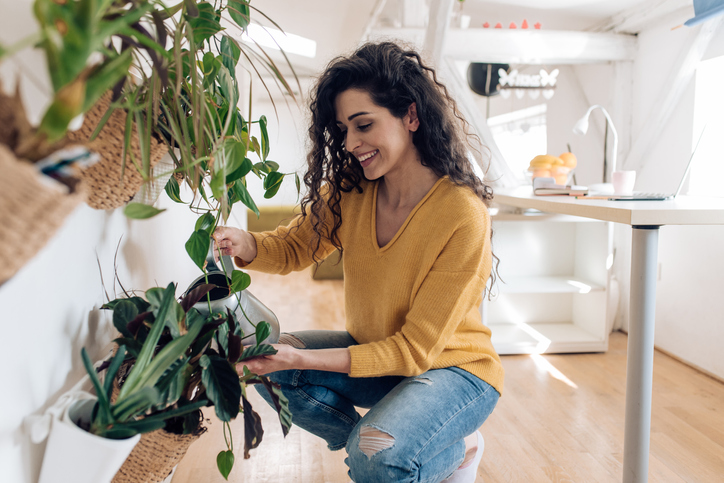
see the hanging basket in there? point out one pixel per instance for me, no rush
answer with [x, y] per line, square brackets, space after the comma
[32, 208]
[106, 189]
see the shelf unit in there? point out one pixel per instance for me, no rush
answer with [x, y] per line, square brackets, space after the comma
[552, 292]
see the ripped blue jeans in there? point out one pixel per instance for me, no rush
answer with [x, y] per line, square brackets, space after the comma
[414, 428]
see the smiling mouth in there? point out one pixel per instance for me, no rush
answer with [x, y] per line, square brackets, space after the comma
[365, 158]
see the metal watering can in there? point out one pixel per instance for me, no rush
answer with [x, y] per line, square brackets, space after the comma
[239, 303]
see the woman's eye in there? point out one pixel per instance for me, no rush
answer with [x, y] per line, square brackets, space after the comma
[364, 127]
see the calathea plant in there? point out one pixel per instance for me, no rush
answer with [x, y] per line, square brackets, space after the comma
[150, 394]
[206, 373]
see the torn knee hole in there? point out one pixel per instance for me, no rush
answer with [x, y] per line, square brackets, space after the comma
[423, 380]
[372, 441]
[292, 340]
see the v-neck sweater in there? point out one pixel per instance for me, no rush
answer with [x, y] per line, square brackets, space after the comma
[413, 304]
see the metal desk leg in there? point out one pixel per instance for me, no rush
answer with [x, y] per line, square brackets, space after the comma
[640, 362]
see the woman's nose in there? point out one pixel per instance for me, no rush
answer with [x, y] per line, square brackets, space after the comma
[351, 142]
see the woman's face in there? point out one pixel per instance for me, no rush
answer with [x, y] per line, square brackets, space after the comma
[381, 142]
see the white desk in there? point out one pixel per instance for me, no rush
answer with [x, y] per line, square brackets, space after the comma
[645, 217]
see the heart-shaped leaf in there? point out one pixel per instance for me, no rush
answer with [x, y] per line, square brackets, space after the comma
[263, 329]
[225, 462]
[239, 281]
[197, 247]
[173, 191]
[205, 222]
[239, 12]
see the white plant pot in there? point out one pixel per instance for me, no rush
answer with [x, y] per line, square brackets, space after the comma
[73, 454]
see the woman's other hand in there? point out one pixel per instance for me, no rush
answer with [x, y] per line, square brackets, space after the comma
[235, 243]
[287, 357]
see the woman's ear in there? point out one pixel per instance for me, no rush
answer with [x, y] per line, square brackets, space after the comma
[411, 119]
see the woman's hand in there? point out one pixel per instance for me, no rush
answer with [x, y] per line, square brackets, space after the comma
[287, 357]
[235, 243]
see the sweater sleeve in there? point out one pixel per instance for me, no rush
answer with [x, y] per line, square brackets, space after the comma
[286, 249]
[451, 289]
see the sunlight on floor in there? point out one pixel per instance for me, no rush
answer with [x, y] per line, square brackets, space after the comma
[544, 365]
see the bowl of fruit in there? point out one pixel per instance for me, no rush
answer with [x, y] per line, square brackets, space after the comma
[559, 168]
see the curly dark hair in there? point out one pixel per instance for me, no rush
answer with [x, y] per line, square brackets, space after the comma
[394, 78]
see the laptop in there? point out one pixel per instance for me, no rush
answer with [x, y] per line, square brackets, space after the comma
[642, 196]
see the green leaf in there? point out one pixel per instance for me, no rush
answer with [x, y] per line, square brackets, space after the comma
[281, 403]
[263, 329]
[205, 222]
[257, 149]
[225, 462]
[105, 77]
[173, 191]
[222, 386]
[298, 184]
[206, 25]
[103, 414]
[256, 351]
[239, 281]
[264, 139]
[243, 195]
[273, 166]
[139, 211]
[230, 53]
[149, 345]
[253, 432]
[239, 12]
[272, 183]
[241, 171]
[124, 312]
[135, 404]
[192, 10]
[197, 247]
[217, 185]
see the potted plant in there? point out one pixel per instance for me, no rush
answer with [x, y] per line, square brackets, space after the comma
[95, 435]
[208, 376]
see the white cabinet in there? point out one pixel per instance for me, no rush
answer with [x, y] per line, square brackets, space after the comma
[553, 287]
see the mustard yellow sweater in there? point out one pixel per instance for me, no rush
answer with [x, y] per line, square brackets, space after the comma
[412, 305]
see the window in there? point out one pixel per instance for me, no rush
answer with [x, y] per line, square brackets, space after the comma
[707, 169]
[520, 135]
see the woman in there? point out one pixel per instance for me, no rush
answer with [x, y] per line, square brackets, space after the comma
[389, 185]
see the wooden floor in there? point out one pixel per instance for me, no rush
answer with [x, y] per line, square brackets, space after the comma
[560, 418]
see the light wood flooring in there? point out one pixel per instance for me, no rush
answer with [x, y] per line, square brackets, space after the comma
[560, 419]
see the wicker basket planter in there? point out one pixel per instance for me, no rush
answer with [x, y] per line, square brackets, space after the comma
[155, 456]
[31, 211]
[106, 189]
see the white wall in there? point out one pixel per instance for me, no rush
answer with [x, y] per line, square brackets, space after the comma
[689, 306]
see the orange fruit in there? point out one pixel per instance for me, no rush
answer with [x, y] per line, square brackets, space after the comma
[569, 159]
[541, 173]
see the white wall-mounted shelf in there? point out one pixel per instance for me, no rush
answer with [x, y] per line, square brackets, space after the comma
[533, 47]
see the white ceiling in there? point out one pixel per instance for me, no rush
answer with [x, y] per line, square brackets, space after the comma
[338, 25]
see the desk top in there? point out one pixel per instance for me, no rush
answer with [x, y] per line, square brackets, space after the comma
[684, 210]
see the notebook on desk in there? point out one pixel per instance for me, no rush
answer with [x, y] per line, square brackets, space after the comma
[642, 196]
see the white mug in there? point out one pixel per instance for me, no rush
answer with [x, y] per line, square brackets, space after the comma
[623, 182]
